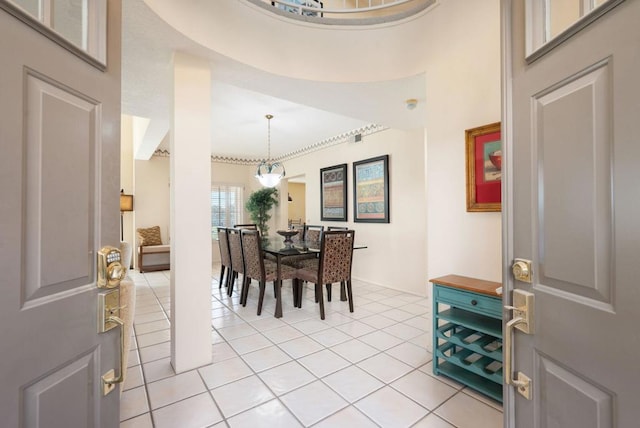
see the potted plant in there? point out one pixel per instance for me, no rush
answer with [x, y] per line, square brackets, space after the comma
[259, 204]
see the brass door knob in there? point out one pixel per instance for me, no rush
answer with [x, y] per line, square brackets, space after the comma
[521, 269]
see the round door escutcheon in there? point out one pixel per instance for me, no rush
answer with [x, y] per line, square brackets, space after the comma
[521, 270]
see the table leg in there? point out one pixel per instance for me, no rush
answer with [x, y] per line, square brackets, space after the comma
[278, 313]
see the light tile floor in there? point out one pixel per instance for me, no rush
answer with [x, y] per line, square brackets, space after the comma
[370, 368]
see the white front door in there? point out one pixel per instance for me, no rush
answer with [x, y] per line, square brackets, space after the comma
[59, 185]
[572, 207]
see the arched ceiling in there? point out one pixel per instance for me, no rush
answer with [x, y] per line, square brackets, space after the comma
[306, 111]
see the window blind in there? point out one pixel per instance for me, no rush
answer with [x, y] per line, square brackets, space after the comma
[226, 207]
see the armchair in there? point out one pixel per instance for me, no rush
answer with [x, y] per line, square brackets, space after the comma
[152, 253]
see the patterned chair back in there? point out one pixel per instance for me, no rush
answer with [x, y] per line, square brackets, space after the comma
[235, 247]
[253, 258]
[336, 256]
[313, 233]
[223, 242]
[299, 237]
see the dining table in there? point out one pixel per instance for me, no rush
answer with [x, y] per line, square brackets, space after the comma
[277, 247]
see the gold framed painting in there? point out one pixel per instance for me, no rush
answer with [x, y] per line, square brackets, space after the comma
[484, 168]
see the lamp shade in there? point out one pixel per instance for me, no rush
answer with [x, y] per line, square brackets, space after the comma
[126, 202]
[269, 180]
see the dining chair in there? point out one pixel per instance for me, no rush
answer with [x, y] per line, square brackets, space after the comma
[253, 226]
[237, 260]
[336, 257]
[225, 256]
[342, 284]
[300, 236]
[258, 268]
[293, 222]
[312, 233]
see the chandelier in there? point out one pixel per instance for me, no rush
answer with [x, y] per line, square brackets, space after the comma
[267, 173]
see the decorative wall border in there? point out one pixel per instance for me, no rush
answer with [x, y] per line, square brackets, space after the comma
[345, 137]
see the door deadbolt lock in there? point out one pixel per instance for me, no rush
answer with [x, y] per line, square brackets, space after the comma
[110, 269]
[522, 271]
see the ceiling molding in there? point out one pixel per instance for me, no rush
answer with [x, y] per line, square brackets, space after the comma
[345, 137]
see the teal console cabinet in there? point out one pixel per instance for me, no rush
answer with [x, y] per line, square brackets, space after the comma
[467, 332]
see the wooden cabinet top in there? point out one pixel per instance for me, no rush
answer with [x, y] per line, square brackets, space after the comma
[469, 284]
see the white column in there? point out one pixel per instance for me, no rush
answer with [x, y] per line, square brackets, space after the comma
[190, 195]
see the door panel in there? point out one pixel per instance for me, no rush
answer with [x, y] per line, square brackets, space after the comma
[562, 392]
[59, 186]
[60, 178]
[571, 199]
[45, 399]
[571, 125]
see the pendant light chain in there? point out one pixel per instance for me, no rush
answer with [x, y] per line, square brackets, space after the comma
[269, 117]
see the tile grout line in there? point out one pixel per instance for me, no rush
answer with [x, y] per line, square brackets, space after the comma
[274, 344]
[317, 378]
[247, 320]
[276, 397]
[321, 379]
[297, 388]
[146, 385]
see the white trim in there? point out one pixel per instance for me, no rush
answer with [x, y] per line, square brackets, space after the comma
[538, 38]
[506, 41]
[94, 49]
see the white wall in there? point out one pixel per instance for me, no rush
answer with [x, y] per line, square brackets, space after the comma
[463, 91]
[462, 62]
[396, 254]
[126, 176]
[152, 195]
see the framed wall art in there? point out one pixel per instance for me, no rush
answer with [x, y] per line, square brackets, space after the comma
[333, 193]
[484, 168]
[371, 190]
